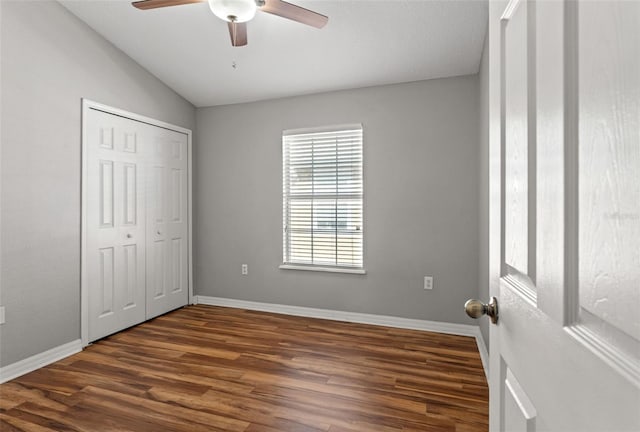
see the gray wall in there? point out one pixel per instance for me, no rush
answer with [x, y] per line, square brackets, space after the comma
[483, 185]
[421, 200]
[50, 60]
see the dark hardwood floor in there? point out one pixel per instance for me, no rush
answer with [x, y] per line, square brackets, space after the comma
[205, 368]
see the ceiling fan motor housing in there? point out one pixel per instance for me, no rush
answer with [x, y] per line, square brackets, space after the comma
[234, 10]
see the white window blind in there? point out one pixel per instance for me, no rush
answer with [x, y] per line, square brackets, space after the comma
[322, 197]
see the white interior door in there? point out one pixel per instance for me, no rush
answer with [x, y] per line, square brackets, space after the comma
[565, 215]
[167, 222]
[115, 219]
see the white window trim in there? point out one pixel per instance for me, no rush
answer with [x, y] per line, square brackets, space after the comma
[321, 129]
[328, 269]
[323, 269]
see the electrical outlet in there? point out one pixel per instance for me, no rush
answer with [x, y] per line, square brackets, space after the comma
[1, 314]
[245, 269]
[428, 282]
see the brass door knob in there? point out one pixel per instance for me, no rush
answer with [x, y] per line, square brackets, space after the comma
[475, 309]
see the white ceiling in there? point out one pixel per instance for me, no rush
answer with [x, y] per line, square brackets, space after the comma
[365, 43]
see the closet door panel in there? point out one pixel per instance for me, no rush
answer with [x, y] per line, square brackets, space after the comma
[167, 222]
[115, 219]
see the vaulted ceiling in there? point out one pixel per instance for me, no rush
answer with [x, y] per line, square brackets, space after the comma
[365, 43]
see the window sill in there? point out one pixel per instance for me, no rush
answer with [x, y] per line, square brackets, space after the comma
[322, 269]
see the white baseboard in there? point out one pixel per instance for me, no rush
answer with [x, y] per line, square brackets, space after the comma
[37, 361]
[484, 353]
[355, 317]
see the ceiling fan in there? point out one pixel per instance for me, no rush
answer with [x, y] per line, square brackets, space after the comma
[238, 12]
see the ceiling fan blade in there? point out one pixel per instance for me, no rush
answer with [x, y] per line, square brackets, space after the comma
[153, 4]
[238, 33]
[295, 13]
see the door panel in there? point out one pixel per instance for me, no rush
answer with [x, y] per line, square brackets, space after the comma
[515, 36]
[178, 268]
[167, 223]
[130, 191]
[159, 194]
[177, 181]
[158, 276]
[130, 274]
[106, 282]
[519, 143]
[565, 230]
[115, 230]
[609, 178]
[519, 412]
[106, 194]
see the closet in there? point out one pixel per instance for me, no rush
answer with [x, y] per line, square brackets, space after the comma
[135, 220]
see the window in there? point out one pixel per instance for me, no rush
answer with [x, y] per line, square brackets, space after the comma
[322, 199]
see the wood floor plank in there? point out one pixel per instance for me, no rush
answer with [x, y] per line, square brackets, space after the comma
[15, 424]
[205, 368]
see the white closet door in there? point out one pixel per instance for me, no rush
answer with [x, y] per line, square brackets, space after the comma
[115, 218]
[167, 222]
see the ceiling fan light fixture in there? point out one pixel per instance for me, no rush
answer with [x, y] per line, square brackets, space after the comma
[233, 10]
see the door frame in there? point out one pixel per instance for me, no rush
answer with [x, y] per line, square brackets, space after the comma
[88, 105]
